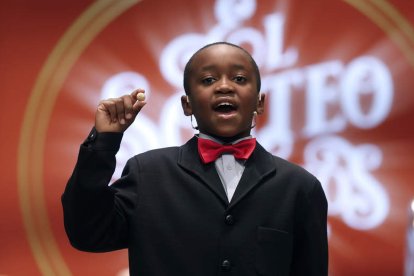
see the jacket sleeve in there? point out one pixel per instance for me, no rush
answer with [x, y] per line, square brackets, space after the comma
[310, 253]
[93, 219]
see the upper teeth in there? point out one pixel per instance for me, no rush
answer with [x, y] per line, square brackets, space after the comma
[223, 104]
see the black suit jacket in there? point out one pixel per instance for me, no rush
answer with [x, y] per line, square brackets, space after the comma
[170, 210]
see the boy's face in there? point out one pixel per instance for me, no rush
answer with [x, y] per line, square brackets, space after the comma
[223, 93]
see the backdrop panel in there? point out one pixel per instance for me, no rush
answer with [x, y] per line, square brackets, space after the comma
[338, 82]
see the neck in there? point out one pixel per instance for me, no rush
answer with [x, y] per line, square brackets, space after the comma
[227, 140]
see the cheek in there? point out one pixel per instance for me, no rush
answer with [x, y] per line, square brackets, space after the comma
[251, 104]
[201, 111]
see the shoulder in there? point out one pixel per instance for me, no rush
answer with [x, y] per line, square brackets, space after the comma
[158, 155]
[302, 181]
[283, 165]
[291, 173]
[265, 158]
[169, 153]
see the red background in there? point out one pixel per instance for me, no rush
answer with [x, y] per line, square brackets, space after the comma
[322, 30]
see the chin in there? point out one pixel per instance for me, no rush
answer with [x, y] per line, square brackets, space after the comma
[230, 134]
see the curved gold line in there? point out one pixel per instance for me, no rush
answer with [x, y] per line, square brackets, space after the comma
[383, 22]
[395, 16]
[34, 127]
[49, 82]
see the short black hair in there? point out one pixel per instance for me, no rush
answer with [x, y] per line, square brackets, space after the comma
[187, 68]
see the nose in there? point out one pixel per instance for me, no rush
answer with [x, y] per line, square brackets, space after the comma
[224, 85]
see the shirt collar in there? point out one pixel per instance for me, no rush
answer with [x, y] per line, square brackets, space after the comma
[205, 136]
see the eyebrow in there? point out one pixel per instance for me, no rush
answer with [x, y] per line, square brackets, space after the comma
[233, 66]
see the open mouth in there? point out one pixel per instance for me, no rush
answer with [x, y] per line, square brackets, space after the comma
[225, 107]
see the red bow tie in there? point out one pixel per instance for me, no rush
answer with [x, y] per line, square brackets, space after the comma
[209, 150]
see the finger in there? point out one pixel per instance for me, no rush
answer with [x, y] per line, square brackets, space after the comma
[109, 107]
[139, 96]
[120, 110]
[128, 109]
[138, 105]
[136, 91]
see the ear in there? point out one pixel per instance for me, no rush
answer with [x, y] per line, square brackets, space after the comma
[260, 103]
[186, 105]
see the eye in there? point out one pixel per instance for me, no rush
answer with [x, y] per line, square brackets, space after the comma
[240, 79]
[207, 80]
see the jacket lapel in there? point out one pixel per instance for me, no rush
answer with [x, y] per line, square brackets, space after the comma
[258, 166]
[190, 161]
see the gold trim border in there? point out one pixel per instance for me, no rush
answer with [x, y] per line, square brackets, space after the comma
[391, 21]
[35, 123]
[50, 80]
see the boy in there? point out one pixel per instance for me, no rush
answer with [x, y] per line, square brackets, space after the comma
[181, 211]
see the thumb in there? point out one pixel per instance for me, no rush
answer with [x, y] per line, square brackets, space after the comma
[139, 97]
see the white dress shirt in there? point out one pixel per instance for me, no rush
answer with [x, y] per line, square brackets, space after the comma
[229, 169]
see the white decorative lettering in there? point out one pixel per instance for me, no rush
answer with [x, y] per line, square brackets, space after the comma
[334, 95]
